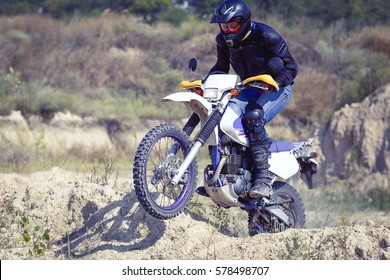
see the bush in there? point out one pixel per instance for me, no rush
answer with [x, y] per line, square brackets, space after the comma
[374, 75]
[31, 98]
[379, 198]
[10, 84]
[174, 16]
[374, 39]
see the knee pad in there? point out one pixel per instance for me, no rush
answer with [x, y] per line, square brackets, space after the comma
[254, 117]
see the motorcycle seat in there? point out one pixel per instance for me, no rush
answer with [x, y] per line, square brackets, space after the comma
[280, 146]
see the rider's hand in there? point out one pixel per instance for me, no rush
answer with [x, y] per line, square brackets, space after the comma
[197, 90]
[268, 87]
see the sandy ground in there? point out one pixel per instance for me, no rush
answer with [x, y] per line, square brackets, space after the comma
[90, 221]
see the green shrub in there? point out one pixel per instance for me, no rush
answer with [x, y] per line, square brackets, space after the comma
[374, 75]
[33, 99]
[18, 36]
[174, 16]
[10, 84]
[379, 198]
[36, 238]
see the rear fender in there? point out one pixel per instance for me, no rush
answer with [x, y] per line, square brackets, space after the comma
[283, 164]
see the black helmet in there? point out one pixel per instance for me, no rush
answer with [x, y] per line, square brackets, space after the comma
[234, 19]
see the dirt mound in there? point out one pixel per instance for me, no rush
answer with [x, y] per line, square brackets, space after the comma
[357, 139]
[90, 221]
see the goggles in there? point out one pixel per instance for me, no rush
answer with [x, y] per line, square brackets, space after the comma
[230, 27]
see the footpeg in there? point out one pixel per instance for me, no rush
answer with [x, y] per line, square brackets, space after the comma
[202, 191]
[264, 201]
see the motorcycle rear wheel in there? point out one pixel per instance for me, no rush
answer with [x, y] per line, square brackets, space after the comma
[154, 168]
[294, 210]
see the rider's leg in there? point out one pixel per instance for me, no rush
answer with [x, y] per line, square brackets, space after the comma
[271, 103]
[259, 145]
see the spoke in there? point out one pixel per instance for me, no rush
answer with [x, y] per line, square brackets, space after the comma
[155, 154]
[159, 170]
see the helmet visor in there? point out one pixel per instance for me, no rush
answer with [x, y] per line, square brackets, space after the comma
[230, 27]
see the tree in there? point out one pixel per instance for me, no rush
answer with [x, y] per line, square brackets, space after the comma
[377, 11]
[19, 6]
[204, 8]
[149, 9]
[60, 8]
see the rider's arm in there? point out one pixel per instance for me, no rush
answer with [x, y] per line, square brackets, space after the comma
[278, 47]
[223, 62]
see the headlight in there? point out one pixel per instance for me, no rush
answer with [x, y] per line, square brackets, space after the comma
[211, 93]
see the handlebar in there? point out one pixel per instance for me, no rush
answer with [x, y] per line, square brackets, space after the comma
[255, 82]
[257, 86]
[261, 83]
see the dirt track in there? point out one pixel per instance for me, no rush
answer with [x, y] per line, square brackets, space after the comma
[88, 221]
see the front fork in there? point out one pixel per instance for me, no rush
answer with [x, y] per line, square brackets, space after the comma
[204, 133]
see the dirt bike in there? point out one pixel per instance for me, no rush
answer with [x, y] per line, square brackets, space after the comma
[165, 167]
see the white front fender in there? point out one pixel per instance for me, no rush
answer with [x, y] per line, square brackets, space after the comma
[196, 104]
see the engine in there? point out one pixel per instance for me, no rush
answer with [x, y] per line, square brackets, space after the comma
[235, 172]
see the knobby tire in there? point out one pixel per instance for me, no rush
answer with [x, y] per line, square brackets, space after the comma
[161, 200]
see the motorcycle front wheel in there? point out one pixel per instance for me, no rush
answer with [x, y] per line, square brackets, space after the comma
[158, 157]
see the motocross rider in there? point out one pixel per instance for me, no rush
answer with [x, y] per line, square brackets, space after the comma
[247, 46]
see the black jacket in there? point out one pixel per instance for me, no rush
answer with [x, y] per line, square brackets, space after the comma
[251, 57]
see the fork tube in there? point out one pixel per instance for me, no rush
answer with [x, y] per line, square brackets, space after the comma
[187, 161]
[201, 138]
[191, 124]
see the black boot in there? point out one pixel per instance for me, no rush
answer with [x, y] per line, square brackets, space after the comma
[262, 184]
[259, 145]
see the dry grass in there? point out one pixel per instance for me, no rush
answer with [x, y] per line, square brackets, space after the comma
[111, 56]
[376, 39]
[314, 95]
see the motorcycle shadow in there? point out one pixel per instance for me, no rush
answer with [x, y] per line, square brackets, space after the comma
[120, 226]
